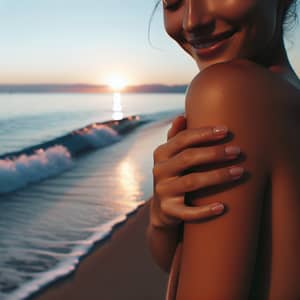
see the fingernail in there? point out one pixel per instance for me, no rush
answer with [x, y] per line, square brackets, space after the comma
[236, 172]
[232, 150]
[217, 208]
[220, 130]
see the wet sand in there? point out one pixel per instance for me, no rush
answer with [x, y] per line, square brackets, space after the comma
[121, 268]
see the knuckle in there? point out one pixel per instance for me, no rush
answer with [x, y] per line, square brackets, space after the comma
[183, 138]
[189, 182]
[164, 207]
[178, 141]
[156, 171]
[194, 135]
[159, 189]
[181, 135]
[158, 152]
[219, 176]
[205, 132]
[190, 136]
[185, 157]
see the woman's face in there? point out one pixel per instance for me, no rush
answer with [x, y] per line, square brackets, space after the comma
[213, 31]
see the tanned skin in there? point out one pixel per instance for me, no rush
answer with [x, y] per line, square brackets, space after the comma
[252, 251]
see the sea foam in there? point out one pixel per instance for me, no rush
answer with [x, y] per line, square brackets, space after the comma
[68, 266]
[97, 136]
[51, 158]
[20, 171]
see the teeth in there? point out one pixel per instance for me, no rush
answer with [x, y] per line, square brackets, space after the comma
[204, 45]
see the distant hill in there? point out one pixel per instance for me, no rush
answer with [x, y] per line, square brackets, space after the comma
[88, 89]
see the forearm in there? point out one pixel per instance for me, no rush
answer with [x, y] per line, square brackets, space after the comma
[162, 243]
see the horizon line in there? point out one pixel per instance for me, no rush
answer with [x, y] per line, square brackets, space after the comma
[89, 88]
[86, 84]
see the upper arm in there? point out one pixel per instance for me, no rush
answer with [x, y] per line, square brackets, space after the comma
[219, 254]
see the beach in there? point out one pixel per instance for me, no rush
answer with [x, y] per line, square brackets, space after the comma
[73, 223]
[120, 268]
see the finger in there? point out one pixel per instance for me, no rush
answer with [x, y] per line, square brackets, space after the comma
[178, 124]
[197, 213]
[188, 138]
[194, 157]
[175, 211]
[199, 180]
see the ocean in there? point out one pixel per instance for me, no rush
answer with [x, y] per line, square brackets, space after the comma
[72, 166]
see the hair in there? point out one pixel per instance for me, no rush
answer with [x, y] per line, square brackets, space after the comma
[290, 18]
[151, 19]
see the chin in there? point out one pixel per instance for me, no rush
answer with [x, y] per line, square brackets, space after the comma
[235, 54]
[203, 65]
[235, 50]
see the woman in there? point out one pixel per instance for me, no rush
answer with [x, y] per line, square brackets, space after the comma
[246, 82]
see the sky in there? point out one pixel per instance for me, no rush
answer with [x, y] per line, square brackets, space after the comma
[87, 41]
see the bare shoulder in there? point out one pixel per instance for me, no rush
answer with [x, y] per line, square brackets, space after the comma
[243, 89]
[242, 82]
[240, 70]
[241, 95]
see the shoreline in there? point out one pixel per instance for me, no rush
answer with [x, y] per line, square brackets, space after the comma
[119, 266]
[124, 181]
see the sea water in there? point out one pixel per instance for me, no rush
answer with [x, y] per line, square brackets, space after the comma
[60, 190]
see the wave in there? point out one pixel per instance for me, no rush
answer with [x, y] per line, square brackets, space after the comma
[25, 169]
[67, 267]
[48, 159]
[92, 136]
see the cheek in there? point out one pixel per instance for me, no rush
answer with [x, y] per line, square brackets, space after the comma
[235, 10]
[258, 16]
[173, 24]
[228, 10]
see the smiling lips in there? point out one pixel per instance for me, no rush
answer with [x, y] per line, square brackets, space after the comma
[207, 46]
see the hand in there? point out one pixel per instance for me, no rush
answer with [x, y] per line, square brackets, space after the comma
[177, 155]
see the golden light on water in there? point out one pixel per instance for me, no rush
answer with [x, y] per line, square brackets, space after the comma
[117, 83]
[117, 110]
[129, 180]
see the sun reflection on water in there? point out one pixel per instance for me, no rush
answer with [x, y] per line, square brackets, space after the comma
[117, 107]
[129, 180]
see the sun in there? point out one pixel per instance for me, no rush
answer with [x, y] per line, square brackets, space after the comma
[116, 82]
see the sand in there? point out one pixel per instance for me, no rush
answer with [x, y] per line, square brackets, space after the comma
[120, 268]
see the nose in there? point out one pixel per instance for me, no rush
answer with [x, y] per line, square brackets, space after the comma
[197, 15]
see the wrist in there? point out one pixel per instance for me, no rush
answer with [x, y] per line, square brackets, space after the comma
[159, 225]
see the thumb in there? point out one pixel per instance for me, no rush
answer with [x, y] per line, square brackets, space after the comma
[197, 213]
